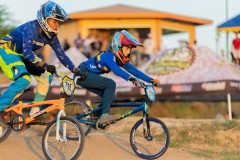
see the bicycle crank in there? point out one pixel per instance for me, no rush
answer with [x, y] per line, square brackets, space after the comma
[101, 128]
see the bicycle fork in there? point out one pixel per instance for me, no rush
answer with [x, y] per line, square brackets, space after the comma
[146, 125]
[145, 115]
[60, 113]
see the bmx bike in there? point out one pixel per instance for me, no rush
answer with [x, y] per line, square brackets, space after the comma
[149, 137]
[55, 144]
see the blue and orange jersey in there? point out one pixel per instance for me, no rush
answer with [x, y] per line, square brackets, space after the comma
[106, 61]
[26, 39]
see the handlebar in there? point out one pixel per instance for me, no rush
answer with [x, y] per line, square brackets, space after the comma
[139, 83]
[149, 92]
[61, 76]
[143, 85]
[58, 74]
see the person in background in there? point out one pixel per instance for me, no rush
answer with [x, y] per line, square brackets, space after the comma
[150, 47]
[95, 46]
[18, 60]
[236, 48]
[66, 45]
[78, 42]
[115, 59]
[86, 44]
[183, 43]
[136, 53]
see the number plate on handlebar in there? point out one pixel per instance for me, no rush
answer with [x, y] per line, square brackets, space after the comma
[150, 92]
[68, 86]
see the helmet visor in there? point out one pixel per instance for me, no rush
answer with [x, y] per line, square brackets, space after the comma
[128, 40]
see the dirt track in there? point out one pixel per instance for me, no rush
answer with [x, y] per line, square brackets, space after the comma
[97, 146]
[109, 146]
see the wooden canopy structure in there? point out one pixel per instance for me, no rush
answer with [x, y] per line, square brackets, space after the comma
[124, 16]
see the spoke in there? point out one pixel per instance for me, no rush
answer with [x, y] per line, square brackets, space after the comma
[156, 142]
[63, 149]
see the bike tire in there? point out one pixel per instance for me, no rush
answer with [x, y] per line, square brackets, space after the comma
[76, 107]
[159, 134]
[4, 133]
[54, 149]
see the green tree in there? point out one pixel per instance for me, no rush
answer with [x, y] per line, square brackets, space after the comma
[6, 23]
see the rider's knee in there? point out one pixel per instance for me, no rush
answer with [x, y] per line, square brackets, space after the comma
[25, 80]
[112, 84]
[43, 83]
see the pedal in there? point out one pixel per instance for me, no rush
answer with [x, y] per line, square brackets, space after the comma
[101, 127]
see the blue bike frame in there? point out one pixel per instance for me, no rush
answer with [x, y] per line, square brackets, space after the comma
[139, 106]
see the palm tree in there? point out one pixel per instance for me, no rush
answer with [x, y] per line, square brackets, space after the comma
[6, 23]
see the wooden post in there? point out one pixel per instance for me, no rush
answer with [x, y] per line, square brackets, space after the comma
[229, 106]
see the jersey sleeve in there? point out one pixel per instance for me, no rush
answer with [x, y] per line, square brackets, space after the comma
[136, 73]
[28, 43]
[112, 65]
[63, 58]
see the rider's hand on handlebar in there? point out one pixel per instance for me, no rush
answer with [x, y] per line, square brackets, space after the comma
[134, 81]
[50, 68]
[81, 76]
[155, 82]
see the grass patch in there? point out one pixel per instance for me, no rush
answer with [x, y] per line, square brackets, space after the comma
[214, 140]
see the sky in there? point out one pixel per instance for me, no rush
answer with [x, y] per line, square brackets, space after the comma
[215, 10]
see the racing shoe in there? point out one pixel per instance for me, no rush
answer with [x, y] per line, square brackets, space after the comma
[3, 122]
[105, 118]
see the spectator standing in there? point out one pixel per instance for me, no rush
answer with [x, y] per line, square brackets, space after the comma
[86, 44]
[236, 48]
[79, 41]
[95, 46]
[66, 45]
[183, 43]
[150, 47]
[136, 52]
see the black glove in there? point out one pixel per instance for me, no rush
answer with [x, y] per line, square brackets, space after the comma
[134, 81]
[81, 77]
[50, 68]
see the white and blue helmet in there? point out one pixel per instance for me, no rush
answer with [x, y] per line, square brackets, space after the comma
[50, 10]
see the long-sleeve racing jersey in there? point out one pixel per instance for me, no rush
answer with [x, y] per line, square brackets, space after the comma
[106, 60]
[26, 39]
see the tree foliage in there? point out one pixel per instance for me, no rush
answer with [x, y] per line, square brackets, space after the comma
[6, 22]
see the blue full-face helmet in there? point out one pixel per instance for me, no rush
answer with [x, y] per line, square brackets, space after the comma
[50, 10]
[123, 38]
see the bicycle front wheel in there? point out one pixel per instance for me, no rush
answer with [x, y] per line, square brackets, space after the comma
[4, 133]
[150, 140]
[63, 148]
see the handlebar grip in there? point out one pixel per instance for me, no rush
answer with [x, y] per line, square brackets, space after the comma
[154, 83]
[57, 73]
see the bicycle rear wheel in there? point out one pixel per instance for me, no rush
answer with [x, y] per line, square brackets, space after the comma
[152, 142]
[64, 148]
[76, 107]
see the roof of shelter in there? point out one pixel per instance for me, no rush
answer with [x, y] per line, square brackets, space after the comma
[125, 11]
[231, 25]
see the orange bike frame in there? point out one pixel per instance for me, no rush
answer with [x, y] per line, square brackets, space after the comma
[57, 104]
